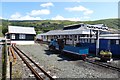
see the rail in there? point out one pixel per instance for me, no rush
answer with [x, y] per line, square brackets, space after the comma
[104, 65]
[20, 53]
[13, 54]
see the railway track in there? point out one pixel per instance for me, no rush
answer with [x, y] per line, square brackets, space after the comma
[103, 65]
[38, 72]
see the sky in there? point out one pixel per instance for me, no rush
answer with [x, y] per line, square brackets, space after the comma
[73, 11]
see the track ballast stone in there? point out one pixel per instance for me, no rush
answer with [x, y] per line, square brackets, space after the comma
[61, 67]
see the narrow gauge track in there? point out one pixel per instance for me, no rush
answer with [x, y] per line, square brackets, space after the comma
[34, 71]
[103, 65]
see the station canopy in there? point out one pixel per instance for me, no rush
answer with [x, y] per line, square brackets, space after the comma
[77, 29]
[68, 32]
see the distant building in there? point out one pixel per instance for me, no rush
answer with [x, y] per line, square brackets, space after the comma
[21, 35]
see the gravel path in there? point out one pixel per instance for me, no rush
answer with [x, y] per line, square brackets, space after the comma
[62, 67]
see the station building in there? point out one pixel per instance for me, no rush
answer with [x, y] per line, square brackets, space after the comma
[21, 35]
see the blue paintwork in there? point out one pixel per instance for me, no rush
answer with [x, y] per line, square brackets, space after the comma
[103, 45]
[90, 46]
[75, 50]
[114, 48]
[86, 48]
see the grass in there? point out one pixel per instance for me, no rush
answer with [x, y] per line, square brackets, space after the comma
[1, 35]
[4, 62]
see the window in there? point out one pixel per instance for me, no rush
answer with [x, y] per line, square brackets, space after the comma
[113, 41]
[92, 41]
[72, 27]
[13, 36]
[82, 40]
[44, 37]
[22, 36]
[86, 41]
[117, 41]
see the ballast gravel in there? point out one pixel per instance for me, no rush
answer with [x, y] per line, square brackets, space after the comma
[64, 67]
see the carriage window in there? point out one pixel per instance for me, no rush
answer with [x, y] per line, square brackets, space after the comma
[117, 42]
[88, 40]
[75, 36]
[92, 41]
[113, 42]
[85, 40]
[82, 40]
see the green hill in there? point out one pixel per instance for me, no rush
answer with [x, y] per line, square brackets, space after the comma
[46, 25]
[1, 31]
[111, 23]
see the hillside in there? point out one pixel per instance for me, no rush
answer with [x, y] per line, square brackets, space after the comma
[111, 23]
[1, 31]
[46, 25]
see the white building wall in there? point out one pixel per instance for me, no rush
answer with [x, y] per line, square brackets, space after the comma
[23, 42]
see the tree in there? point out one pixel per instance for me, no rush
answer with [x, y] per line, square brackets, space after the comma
[5, 24]
[4, 30]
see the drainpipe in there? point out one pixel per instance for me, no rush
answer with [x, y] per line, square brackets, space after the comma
[97, 42]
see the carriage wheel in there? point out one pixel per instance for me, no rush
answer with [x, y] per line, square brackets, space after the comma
[84, 57]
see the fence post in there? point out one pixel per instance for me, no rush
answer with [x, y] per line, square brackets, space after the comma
[10, 70]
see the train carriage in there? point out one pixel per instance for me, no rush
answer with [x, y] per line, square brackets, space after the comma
[110, 42]
[82, 39]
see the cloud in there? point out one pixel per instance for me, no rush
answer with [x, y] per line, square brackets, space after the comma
[1, 17]
[47, 4]
[39, 12]
[27, 17]
[30, 16]
[18, 16]
[58, 17]
[80, 9]
[86, 17]
[87, 12]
